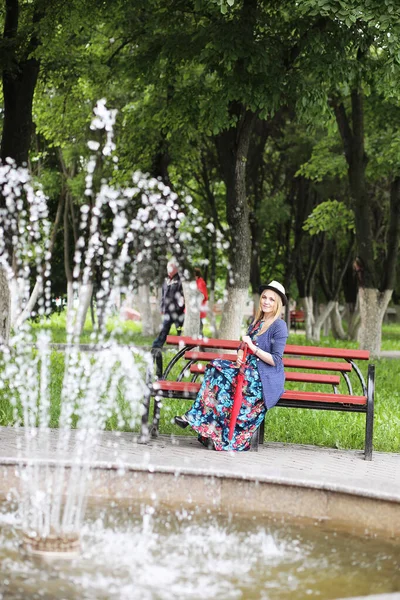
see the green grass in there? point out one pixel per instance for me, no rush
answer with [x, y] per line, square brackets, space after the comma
[321, 428]
[125, 332]
[391, 337]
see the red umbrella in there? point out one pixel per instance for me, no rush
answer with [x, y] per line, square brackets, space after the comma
[238, 395]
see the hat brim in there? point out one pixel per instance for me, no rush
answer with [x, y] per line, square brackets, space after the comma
[262, 288]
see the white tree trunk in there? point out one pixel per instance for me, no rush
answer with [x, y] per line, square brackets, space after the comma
[5, 307]
[313, 324]
[320, 320]
[147, 312]
[232, 314]
[17, 293]
[337, 324]
[85, 294]
[70, 306]
[373, 305]
[353, 319]
[327, 326]
[193, 300]
[156, 312]
[26, 312]
[211, 314]
[308, 304]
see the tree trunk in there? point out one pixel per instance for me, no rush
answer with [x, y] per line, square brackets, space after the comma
[143, 300]
[85, 294]
[19, 81]
[308, 304]
[21, 315]
[5, 307]
[320, 320]
[232, 314]
[211, 313]
[233, 147]
[19, 77]
[27, 311]
[70, 306]
[373, 305]
[337, 324]
[213, 270]
[376, 280]
[193, 300]
[67, 267]
[326, 326]
[313, 322]
[353, 319]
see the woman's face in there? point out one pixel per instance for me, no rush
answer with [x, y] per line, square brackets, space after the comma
[268, 302]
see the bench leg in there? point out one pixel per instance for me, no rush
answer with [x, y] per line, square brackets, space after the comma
[262, 432]
[369, 425]
[156, 417]
[158, 361]
[144, 428]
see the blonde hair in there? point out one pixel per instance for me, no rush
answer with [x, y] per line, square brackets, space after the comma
[276, 315]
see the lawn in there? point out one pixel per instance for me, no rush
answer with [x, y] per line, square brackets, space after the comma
[321, 428]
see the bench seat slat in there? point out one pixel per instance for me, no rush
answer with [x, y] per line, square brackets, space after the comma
[304, 377]
[324, 397]
[181, 387]
[176, 386]
[290, 363]
[289, 349]
[208, 356]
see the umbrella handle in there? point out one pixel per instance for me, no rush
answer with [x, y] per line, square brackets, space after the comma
[241, 368]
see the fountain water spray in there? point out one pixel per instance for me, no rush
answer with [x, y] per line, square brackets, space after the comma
[119, 229]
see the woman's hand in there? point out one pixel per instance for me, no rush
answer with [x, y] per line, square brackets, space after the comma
[247, 340]
[239, 360]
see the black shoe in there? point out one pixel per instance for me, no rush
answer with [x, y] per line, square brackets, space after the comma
[207, 442]
[181, 422]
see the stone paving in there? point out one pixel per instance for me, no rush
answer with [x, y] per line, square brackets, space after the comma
[307, 466]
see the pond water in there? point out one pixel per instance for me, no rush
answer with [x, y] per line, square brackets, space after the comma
[138, 553]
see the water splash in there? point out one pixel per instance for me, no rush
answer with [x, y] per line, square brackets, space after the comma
[120, 229]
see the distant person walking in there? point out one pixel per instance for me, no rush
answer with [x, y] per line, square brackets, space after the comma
[172, 304]
[202, 287]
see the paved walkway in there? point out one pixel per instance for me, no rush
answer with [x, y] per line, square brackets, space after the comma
[307, 466]
[389, 354]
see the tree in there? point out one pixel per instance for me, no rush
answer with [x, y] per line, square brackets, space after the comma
[367, 34]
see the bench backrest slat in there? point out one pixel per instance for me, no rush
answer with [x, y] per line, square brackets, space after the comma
[317, 351]
[289, 363]
[290, 376]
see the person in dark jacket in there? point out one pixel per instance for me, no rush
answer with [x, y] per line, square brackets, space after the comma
[264, 379]
[172, 304]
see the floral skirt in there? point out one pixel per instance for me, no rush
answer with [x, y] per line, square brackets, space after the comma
[211, 411]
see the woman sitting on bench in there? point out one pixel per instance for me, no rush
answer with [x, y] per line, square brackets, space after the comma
[264, 379]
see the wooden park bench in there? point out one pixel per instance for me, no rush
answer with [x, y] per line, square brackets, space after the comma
[322, 367]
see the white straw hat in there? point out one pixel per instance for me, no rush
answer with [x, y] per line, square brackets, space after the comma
[276, 287]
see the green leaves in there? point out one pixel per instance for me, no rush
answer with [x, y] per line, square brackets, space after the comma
[330, 217]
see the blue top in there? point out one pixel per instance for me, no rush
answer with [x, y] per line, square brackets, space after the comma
[272, 378]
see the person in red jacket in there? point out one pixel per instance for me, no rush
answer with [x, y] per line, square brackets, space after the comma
[202, 287]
